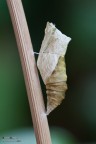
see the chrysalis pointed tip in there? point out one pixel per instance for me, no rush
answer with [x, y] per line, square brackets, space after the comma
[49, 109]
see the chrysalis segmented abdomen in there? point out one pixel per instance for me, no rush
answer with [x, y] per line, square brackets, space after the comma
[56, 86]
[51, 64]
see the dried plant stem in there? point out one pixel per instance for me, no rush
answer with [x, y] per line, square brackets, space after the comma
[30, 72]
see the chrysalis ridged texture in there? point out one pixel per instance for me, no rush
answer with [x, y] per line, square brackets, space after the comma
[56, 86]
[51, 64]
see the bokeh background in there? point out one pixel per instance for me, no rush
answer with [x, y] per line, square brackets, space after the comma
[76, 117]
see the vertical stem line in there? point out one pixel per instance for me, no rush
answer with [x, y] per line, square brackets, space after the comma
[25, 48]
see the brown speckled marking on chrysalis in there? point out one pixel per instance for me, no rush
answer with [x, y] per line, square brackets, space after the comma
[56, 85]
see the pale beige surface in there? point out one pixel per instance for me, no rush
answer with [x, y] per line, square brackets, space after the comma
[51, 65]
[53, 46]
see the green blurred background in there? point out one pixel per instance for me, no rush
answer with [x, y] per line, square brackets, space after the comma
[77, 114]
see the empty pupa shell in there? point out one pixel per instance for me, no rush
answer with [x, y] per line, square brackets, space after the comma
[51, 64]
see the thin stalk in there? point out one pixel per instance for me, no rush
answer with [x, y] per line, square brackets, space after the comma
[25, 48]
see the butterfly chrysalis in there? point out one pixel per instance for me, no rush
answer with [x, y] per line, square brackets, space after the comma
[51, 64]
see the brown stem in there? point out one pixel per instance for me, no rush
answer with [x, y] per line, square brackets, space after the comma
[30, 72]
